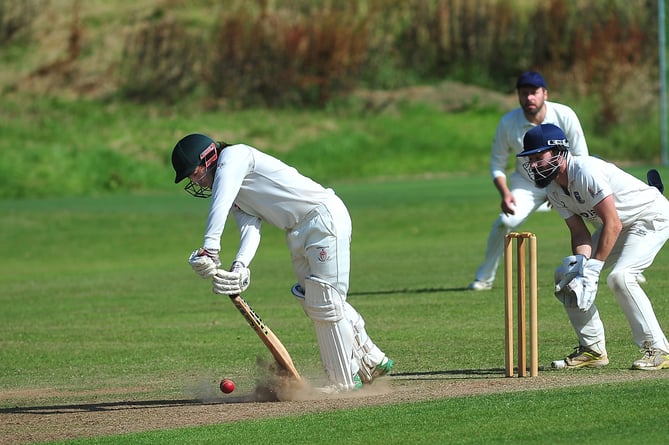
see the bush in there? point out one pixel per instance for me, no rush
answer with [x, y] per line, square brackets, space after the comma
[160, 61]
[17, 18]
[278, 58]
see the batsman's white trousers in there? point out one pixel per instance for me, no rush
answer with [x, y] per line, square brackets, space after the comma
[529, 198]
[320, 246]
[635, 251]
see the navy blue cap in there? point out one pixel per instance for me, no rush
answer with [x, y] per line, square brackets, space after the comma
[543, 137]
[531, 78]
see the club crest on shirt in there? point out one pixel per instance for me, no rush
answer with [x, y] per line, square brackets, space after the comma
[578, 197]
[323, 255]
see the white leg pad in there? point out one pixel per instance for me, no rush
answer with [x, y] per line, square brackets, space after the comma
[325, 307]
[367, 354]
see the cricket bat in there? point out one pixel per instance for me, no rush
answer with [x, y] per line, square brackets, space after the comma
[279, 352]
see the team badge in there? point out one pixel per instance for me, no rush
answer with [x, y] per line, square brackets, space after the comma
[323, 255]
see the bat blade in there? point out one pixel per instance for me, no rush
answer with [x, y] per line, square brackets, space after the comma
[271, 341]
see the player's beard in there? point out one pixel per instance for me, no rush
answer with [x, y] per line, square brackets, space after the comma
[537, 107]
[544, 176]
[542, 182]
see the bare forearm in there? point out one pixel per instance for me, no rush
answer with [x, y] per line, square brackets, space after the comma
[607, 240]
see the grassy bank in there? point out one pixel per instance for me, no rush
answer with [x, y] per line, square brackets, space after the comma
[58, 147]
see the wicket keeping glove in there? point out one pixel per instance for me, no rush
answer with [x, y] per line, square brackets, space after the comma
[572, 266]
[204, 262]
[234, 282]
[585, 286]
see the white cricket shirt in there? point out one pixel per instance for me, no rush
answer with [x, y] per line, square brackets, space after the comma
[591, 180]
[511, 131]
[256, 186]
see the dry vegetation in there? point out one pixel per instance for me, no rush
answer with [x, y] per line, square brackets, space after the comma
[301, 53]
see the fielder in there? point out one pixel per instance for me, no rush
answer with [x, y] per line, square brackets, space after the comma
[631, 220]
[523, 197]
[256, 187]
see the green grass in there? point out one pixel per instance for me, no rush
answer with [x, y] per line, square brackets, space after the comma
[97, 295]
[539, 417]
[91, 147]
[55, 147]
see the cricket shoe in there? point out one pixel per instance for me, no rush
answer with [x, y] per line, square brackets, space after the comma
[582, 357]
[480, 285]
[653, 359]
[383, 368]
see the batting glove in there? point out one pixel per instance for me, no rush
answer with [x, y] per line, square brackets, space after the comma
[204, 262]
[585, 285]
[234, 282]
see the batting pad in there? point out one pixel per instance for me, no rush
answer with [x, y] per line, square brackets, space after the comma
[367, 354]
[334, 333]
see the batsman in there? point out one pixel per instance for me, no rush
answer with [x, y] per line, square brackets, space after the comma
[255, 187]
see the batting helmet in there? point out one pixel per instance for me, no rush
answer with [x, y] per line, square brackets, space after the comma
[543, 137]
[191, 151]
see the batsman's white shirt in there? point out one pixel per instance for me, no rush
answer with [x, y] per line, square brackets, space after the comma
[511, 131]
[257, 187]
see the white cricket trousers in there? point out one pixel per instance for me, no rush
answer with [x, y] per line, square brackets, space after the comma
[529, 198]
[634, 252]
[320, 246]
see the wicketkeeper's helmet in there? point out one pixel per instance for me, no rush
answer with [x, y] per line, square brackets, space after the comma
[544, 137]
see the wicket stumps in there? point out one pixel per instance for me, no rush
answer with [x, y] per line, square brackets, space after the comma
[522, 241]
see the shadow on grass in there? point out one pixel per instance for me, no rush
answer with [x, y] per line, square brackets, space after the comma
[122, 405]
[425, 290]
[454, 373]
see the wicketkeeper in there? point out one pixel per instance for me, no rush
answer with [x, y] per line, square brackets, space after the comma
[631, 220]
[256, 187]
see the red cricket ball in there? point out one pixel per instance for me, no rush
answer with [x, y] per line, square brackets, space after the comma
[227, 386]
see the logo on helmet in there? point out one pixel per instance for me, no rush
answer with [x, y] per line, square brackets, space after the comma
[209, 155]
[562, 142]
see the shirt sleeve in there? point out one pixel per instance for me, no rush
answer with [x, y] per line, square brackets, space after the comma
[594, 185]
[235, 162]
[499, 152]
[249, 235]
[569, 123]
